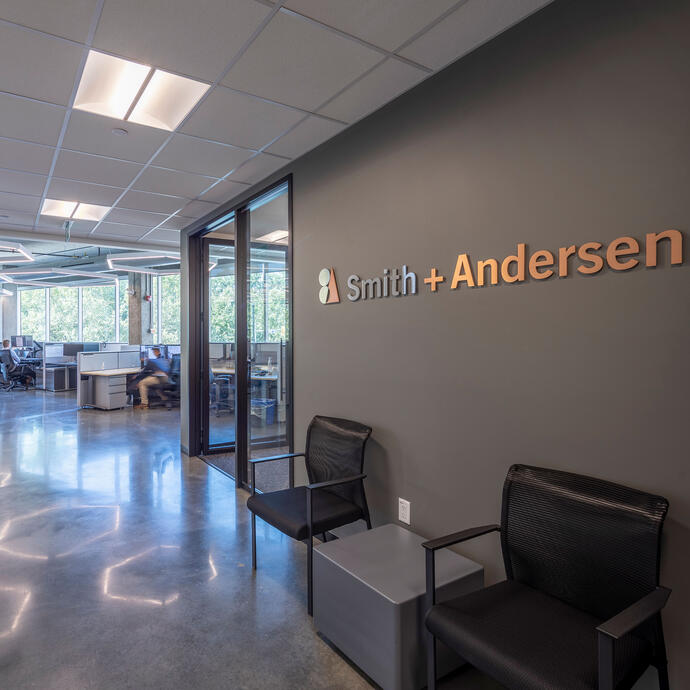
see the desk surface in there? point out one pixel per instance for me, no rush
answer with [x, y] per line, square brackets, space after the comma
[111, 372]
[224, 369]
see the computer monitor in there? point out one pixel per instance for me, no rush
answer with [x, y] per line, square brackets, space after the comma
[22, 341]
[91, 347]
[71, 349]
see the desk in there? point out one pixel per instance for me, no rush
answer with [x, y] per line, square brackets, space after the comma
[104, 388]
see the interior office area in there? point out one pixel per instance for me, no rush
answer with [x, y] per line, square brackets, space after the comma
[423, 269]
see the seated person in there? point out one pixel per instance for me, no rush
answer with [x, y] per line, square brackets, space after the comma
[156, 374]
[15, 356]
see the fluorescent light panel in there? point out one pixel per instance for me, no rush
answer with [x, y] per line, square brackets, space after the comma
[109, 85]
[73, 209]
[118, 88]
[62, 209]
[166, 100]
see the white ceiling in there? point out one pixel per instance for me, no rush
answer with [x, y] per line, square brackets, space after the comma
[285, 77]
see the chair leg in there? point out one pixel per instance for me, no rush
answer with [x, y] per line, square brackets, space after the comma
[310, 573]
[253, 541]
[430, 661]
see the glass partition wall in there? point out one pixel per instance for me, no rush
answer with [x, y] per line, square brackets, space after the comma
[247, 358]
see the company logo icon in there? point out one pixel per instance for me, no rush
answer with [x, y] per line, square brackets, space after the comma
[328, 294]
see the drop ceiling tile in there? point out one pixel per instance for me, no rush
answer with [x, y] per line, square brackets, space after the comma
[202, 157]
[37, 66]
[25, 157]
[377, 88]
[80, 227]
[176, 223]
[235, 118]
[196, 209]
[472, 24]
[306, 136]
[69, 19]
[224, 191]
[19, 202]
[17, 218]
[68, 190]
[94, 134]
[29, 120]
[22, 183]
[90, 168]
[296, 62]
[129, 217]
[195, 38]
[171, 237]
[385, 24]
[119, 230]
[156, 203]
[172, 182]
[258, 168]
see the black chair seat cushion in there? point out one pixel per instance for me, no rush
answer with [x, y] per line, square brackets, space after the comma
[527, 640]
[286, 510]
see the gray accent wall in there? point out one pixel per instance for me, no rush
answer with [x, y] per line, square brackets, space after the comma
[571, 127]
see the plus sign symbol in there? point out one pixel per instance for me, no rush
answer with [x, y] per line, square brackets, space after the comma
[433, 279]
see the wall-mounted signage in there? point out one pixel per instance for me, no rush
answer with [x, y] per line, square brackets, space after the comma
[622, 254]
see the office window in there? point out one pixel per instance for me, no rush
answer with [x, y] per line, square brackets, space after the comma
[222, 321]
[124, 310]
[98, 307]
[32, 313]
[170, 309]
[154, 309]
[64, 314]
[257, 302]
[277, 305]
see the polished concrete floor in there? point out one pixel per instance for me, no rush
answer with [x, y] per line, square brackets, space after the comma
[126, 565]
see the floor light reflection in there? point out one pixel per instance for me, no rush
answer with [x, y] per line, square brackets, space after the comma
[24, 595]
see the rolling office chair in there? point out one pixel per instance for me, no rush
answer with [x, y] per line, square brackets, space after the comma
[222, 393]
[13, 374]
[334, 497]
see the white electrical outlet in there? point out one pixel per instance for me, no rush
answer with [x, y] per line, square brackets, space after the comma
[404, 511]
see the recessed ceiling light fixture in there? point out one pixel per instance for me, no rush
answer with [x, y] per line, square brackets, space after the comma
[126, 90]
[74, 210]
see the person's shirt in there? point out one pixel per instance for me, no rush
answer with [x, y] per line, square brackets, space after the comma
[13, 354]
[159, 366]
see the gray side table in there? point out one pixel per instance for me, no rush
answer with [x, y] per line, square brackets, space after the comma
[369, 601]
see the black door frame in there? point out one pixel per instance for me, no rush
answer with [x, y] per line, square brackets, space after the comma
[198, 387]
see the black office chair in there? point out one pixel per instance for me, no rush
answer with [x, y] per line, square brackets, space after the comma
[334, 497]
[13, 374]
[581, 607]
[222, 391]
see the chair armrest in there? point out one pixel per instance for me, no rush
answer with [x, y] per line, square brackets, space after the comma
[255, 461]
[636, 614]
[335, 482]
[457, 537]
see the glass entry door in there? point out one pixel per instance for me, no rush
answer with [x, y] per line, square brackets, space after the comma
[247, 355]
[268, 336]
[219, 419]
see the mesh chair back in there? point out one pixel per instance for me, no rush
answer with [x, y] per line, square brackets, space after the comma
[335, 450]
[590, 543]
[6, 359]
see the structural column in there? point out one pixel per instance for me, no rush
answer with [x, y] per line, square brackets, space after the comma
[140, 309]
[8, 312]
